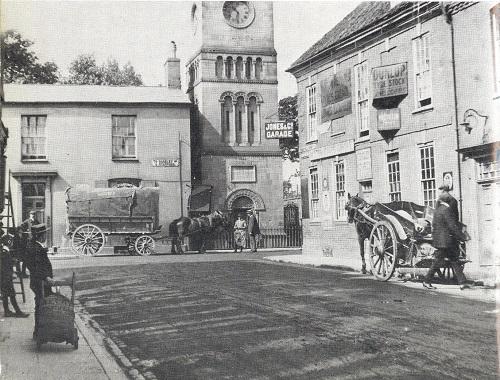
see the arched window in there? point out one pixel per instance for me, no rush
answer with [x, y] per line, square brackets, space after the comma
[258, 68]
[248, 68]
[240, 113]
[229, 67]
[219, 67]
[239, 68]
[227, 110]
[252, 118]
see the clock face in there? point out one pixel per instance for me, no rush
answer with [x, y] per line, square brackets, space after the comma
[238, 14]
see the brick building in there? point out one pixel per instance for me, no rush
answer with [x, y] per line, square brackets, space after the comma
[378, 116]
[96, 136]
[233, 85]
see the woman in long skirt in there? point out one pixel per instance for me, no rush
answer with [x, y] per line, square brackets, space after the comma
[240, 230]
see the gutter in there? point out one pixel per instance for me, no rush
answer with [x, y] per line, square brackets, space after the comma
[449, 21]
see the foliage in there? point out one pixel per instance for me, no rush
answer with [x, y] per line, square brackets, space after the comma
[287, 110]
[20, 64]
[85, 70]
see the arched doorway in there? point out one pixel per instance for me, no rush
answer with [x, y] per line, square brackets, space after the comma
[240, 206]
[242, 200]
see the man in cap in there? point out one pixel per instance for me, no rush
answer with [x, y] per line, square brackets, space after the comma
[445, 191]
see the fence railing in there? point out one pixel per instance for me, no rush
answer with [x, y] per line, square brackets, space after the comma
[282, 237]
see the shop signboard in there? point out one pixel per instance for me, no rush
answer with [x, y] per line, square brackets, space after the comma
[280, 130]
[332, 150]
[364, 164]
[388, 119]
[165, 162]
[336, 98]
[389, 81]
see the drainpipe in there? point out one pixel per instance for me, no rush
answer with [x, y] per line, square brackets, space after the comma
[449, 21]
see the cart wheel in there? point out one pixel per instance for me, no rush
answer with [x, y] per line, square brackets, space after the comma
[87, 240]
[144, 245]
[383, 250]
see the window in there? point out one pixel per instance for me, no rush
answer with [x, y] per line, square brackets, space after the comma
[252, 112]
[33, 137]
[258, 68]
[33, 198]
[311, 113]
[229, 67]
[248, 68]
[240, 114]
[394, 176]
[362, 99]
[422, 63]
[340, 211]
[124, 136]
[313, 180]
[243, 173]
[219, 65]
[239, 68]
[428, 175]
[366, 190]
[124, 182]
[495, 30]
[227, 109]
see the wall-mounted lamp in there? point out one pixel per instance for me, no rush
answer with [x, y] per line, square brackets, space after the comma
[472, 120]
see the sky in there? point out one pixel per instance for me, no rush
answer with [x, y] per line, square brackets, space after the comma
[140, 32]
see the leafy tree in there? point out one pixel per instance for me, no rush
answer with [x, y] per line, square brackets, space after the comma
[85, 70]
[287, 110]
[20, 64]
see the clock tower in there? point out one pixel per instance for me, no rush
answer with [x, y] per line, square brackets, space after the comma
[232, 82]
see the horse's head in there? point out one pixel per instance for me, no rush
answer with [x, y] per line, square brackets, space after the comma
[353, 203]
[220, 219]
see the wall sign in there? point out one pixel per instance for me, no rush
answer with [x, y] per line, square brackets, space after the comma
[388, 119]
[279, 130]
[165, 162]
[336, 98]
[364, 164]
[390, 80]
[448, 179]
[332, 150]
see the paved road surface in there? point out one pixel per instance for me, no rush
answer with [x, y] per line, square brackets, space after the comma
[258, 320]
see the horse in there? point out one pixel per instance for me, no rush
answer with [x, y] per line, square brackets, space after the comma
[196, 228]
[363, 228]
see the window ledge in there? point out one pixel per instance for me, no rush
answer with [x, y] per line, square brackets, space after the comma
[310, 142]
[125, 159]
[34, 160]
[430, 107]
[496, 95]
[337, 134]
[362, 139]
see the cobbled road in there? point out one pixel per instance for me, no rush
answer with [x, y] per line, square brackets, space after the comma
[253, 319]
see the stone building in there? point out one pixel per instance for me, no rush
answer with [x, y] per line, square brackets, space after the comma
[96, 136]
[383, 100]
[233, 85]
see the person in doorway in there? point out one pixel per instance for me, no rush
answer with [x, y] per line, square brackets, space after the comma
[253, 230]
[7, 285]
[240, 230]
[26, 231]
[446, 234]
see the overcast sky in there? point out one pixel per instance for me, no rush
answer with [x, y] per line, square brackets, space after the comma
[140, 32]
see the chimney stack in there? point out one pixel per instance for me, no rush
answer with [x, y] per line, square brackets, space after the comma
[173, 68]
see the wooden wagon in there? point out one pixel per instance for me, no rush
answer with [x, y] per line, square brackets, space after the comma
[401, 240]
[118, 217]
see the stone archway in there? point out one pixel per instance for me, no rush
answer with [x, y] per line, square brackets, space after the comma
[233, 200]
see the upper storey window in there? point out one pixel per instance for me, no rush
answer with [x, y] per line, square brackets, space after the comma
[123, 130]
[219, 67]
[229, 67]
[258, 68]
[311, 113]
[361, 82]
[422, 64]
[33, 137]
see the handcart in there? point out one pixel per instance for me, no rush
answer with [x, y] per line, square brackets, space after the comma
[57, 316]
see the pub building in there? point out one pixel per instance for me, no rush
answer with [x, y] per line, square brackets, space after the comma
[385, 101]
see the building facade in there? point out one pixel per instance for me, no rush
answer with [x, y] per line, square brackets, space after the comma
[379, 115]
[95, 136]
[233, 86]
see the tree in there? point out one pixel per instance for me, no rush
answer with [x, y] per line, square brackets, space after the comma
[287, 110]
[84, 70]
[20, 64]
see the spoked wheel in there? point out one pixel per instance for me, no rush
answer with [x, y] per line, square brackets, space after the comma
[383, 250]
[87, 240]
[144, 245]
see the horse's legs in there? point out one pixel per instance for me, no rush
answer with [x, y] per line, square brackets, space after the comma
[361, 241]
[174, 244]
[202, 245]
[179, 242]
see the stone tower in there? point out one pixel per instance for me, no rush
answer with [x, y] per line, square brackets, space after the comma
[232, 82]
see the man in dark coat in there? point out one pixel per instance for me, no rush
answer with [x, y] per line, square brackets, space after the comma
[452, 202]
[253, 230]
[26, 231]
[446, 234]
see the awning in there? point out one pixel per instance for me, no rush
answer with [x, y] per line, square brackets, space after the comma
[200, 199]
[33, 173]
[481, 149]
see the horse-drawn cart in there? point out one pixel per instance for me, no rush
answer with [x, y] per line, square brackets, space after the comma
[399, 237]
[126, 217]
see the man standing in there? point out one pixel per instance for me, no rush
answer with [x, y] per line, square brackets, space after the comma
[26, 230]
[253, 230]
[445, 191]
[446, 234]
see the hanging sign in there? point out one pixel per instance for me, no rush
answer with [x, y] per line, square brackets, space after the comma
[279, 130]
[390, 80]
[336, 98]
[388, 119]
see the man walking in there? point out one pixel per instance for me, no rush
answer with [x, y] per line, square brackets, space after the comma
[253, 230]
[446, 234]
[452, 202]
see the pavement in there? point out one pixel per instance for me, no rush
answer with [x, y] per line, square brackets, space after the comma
[19, 358]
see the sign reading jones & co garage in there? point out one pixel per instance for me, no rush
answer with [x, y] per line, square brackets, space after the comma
[391, 80]
[279, 130]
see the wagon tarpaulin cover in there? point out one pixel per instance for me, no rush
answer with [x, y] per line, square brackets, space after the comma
[109, 202]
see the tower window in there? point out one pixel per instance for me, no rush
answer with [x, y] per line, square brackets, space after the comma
[258, 68]
[239, 68]
[248, 68]
[219, 67]
[229, 67]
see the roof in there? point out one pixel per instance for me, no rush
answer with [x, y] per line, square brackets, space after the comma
[363, 16]
[61, 93]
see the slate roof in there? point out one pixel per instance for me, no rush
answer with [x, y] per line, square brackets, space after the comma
[53, 93]
[363, 16]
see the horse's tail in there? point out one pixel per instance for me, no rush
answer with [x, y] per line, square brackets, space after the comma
[172, 229]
